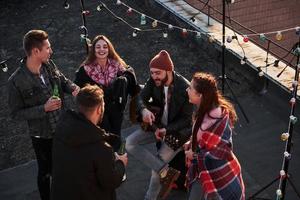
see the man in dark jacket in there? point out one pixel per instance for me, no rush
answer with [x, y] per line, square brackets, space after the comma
[84, 165]
[166, 91]
[36, 94]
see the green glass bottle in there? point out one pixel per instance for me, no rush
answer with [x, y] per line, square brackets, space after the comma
[122, 148]
[55, 93]
[122, 152]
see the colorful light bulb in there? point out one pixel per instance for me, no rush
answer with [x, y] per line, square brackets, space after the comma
[245, 38]
[285, 136]
[229, 39]
[5, 68]
[282, 173]
[86, 12]
[143, 19]
[262, 37]
[66, 5]
[293, 101]
[279, 193]
[293, 119]
[184, 33]
[134, 33]
[297, 51]
[287, 155]
[154, 24]
[278, 36]
[99, 7]
[119, 2]
[129, 11]
[82, 38]
[165, 34]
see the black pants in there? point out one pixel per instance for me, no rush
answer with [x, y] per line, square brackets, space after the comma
[112, 121]
[43, 152]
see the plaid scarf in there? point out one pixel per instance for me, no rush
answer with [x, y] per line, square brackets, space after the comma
[215, 165]
[104, 76]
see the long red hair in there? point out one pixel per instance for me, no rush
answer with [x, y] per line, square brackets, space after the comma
[112, 54]
[206, 84]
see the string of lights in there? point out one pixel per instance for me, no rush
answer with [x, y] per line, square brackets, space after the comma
[263, 38]
[143, 21]
[184, 31]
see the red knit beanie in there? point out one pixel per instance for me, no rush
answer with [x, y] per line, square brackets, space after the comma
[162, 61]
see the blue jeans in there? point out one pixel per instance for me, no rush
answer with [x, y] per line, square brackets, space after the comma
[134, 145]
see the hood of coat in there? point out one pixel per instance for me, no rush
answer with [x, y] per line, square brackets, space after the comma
[75, 130]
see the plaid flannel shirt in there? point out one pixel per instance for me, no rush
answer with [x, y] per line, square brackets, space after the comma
[215, 166]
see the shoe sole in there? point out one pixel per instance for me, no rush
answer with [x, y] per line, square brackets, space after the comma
[164, 196]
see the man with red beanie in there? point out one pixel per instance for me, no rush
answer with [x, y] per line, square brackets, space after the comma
[171, 123]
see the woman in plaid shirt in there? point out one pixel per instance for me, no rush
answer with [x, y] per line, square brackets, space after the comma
[214, 172]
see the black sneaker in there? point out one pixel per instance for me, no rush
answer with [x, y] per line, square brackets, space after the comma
[167, 181]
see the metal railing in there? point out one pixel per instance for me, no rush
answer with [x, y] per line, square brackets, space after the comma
[281, 53]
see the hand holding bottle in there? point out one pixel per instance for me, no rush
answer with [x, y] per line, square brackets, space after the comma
[53, 103]
[123, 158]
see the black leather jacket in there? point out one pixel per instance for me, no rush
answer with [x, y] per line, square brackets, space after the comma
[180, 110]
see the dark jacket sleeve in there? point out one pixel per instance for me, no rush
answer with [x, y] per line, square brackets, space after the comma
[17, 107]
[132, 85]
[109, 172]
[81, 78]
[144, 95]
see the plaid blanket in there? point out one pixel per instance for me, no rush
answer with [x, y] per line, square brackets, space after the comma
[215, 165]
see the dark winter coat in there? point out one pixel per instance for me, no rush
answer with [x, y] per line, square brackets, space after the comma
[115, 96]
[84, 166]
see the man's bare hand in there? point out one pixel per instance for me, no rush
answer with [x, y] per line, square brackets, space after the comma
[76, 90]
[53, 103]
[160, 133]
[148, 116]
[123, 158]
[187, 145]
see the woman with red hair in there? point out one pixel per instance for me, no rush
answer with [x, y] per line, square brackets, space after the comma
[213, 170]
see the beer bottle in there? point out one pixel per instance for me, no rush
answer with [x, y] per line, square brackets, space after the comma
[55, 93]
[122, 148]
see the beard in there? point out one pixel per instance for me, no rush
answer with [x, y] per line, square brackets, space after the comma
[161, 82]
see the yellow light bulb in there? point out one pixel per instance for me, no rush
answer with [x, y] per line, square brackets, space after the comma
[279, 36]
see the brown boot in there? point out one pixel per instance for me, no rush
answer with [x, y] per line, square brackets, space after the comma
[166, 182]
